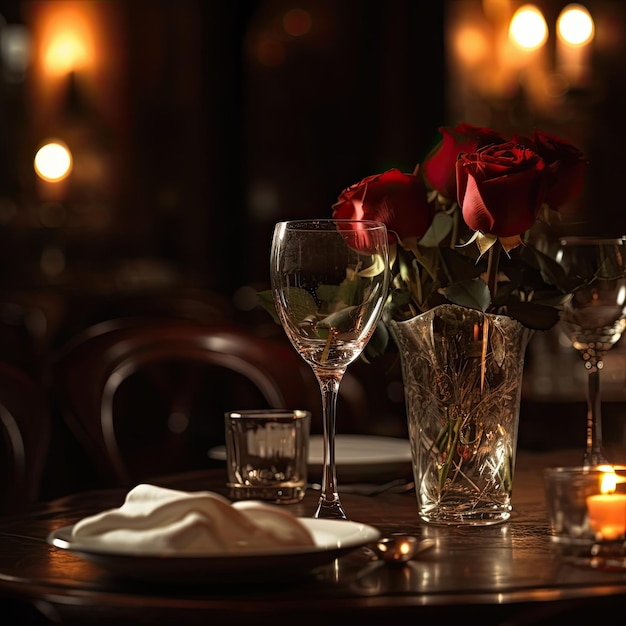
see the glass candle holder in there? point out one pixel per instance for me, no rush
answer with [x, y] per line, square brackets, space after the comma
[587, 514]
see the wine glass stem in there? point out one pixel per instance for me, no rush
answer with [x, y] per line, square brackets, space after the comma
[594, 454]
[329, 505]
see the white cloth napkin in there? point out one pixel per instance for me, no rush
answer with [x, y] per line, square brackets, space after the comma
[157, 520]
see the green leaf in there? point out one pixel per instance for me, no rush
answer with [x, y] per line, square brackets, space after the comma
[378, 343]
[301, 303]
[428, 258]
[550, 271]
[347, 291]
[328, 293]
[462, 264]
[439, 229]
[266, 300]
[376, 268]
[343, 320]
[474, 294]
[532, 315]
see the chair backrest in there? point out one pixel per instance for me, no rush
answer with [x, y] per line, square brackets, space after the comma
[146, 396]
[83, 313]
[25, 424]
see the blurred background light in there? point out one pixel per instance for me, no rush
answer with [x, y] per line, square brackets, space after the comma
[575, 25]
[53, 161]
[528, 27]
[15, 48]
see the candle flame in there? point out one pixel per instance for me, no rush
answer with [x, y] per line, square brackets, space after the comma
[609, 479]
[608, 483]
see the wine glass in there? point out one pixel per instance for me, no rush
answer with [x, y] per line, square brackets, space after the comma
[329, 282]
[594, 318]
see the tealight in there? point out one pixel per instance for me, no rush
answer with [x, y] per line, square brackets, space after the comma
[607, 511]
[586, 508]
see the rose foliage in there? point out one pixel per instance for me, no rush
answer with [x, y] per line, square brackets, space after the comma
[461, 225]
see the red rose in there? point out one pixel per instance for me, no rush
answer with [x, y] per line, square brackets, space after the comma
[397, 199]
[501, 188]
[439, 167]
[565, 162]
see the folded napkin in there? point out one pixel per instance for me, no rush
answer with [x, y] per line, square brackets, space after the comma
[157, 520]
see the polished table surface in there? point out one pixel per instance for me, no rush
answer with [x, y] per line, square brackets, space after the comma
[505, 573]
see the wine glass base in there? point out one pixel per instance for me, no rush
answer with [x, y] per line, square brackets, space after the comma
[595, 458]
[327, 509]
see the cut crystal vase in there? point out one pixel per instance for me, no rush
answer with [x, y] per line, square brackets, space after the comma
[462, 373]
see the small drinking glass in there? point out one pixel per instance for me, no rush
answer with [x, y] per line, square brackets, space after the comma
[267, 454]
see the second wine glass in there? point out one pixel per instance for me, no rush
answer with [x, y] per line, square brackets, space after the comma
[594, 318]
[329, 281]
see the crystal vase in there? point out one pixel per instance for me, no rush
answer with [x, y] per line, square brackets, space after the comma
[462, 373]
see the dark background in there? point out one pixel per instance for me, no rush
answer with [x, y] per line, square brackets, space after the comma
[209, 147]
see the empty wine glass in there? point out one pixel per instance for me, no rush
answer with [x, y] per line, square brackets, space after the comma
[329, 282]
[594, 318]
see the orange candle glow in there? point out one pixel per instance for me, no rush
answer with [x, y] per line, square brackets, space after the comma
[607, 511]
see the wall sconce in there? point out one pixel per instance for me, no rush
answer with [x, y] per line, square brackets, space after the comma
[72, 92]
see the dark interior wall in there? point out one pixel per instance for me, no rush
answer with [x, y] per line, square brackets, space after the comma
[209, 130]
[362, 92]
[185, 98]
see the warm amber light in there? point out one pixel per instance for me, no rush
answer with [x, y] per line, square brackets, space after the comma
[575, 25]
[67, 42]
[65, 53]
[609, 480]
[471, 45]
[53, 161]
[528, 27]
[607, 511]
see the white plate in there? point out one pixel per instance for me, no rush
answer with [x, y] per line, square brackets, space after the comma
[358, 457]
[333, 538]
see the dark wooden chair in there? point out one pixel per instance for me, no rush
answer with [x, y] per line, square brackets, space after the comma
[146, 396]
[25, 424]
[84, 312]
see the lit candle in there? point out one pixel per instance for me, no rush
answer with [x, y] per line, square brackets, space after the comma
[607, 511]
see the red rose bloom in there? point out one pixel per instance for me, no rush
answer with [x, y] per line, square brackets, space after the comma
[565, 162]
[439, 167]
[501, 188]
[396, 199]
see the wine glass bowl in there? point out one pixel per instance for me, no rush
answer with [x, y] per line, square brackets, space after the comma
[329, 282]
[594, 317]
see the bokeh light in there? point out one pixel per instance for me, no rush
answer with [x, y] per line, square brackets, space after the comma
[53, 161]
[575, 25]
[528, 27]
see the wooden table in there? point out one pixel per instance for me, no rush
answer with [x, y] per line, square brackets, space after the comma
[497, 574]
